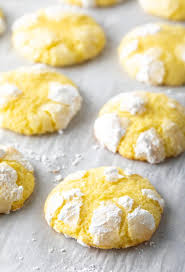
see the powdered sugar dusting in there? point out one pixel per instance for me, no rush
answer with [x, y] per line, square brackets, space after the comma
[128, 49]
[133, 103]
[12, 154]
[53, 203]
[141, 224]
[154, 196]
[70, 213]
[129, 172]
[59, 114]
[25, 21]
[73, 193]
[65, 94]
[112, 174]
[151, 68]
[62, 93]
[109, 131]
[8, 92]
[126, 202]
[9, 190]
[150, 147]
[105, 224]
[145, 30]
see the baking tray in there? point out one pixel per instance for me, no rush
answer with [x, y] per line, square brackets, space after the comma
[26, 241]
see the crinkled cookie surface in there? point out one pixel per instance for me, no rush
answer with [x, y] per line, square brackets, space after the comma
[142, 126]
[171, 9]
[155, 54]
[58, 36]
[36, 100]
[105, 207]
[16, 179]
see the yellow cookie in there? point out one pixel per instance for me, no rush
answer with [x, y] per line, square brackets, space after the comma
[58, 36]
[105, 207]
[172, 9]
[155, 54]
[2, 23]
[92, 3]
[142, 126]
[16, 179]
[37, 100]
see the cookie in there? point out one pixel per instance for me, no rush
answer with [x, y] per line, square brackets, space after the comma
[58, 36]
[171, 9]
[152, 52]
[142, 126]
[2, 23]
[36, 100]
[105, 207]
[92, 3]
[16, 179]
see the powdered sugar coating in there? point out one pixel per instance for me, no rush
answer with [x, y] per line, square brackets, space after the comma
[73, 193]
[149, 146]
[94, 211]
[70, 213]
[59, 114]
[65, 94]
[129, 172]
[25, 21]
[141, 224]
[112, 174]
[148, 29]
[54, 202]
[8, 92]
[105, 224]
[154, 196]
[129, 49]
[11, 154]
[126, 202]
[151, 68]
[109, 131]
[133, 103]
[9, 190]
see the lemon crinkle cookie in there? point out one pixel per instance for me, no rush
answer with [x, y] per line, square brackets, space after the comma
[105, 207]
[142, 126]
[155, 54]
[171, 9]
[58, 36]
[36, 100]
[92, 3]
[2, 23]
[16, 179]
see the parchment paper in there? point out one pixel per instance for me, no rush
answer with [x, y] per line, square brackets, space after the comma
[26, 241]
